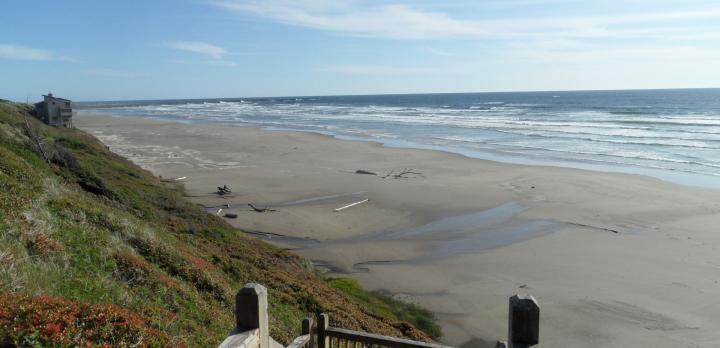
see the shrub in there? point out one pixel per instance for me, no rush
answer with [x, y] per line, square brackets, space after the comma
[48, 321]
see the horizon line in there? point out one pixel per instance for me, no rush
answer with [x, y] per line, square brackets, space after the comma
[393, 94]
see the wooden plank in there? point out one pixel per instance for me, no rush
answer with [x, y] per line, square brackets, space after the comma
[299, 342]
[351, 205]
[246, 339]
[370, 339]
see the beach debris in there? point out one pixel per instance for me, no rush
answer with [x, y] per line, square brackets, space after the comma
[593, 227]
[231, 215]
[173, 179]
[223, 190]
[260, 210]
[218, 212]
[352, 205]
[363, 171]
[404, 174]
[227, 205]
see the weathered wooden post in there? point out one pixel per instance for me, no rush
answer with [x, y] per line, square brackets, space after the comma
[251, 304]
[523, 322]
[306, 326]
[307, 330]
[323, 324]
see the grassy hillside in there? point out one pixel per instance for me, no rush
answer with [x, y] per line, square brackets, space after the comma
[95, 250]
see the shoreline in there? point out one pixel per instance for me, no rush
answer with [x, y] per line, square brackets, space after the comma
[609, 273]
[684, 178]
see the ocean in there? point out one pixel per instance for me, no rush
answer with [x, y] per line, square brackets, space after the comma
[673, 135]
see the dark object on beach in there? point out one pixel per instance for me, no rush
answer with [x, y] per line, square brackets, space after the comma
[404, 174]
[532, 187]
[260, 210]
[223, 190]
[362, 171]
[231, 215]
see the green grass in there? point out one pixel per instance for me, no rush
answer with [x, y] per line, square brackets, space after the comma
[92, 228]
[385, 305]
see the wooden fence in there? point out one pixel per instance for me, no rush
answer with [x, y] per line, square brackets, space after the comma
[252, 331]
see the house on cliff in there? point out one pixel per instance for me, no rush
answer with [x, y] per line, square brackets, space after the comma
[54, 111]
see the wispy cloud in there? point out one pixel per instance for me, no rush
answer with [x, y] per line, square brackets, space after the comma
[108, 72]
[406, 22]
[16, 52]
[392, 21]
[359, 69]
[437, 52]
[216, 62]
[569, 52]
[214, 51]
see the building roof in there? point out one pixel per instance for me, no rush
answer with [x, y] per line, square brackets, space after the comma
[56, 98]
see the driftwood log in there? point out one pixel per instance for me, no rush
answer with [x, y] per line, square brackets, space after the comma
[403, 174]
[224, 190]
[260, 210]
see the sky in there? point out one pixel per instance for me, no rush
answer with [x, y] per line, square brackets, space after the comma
[162, 49]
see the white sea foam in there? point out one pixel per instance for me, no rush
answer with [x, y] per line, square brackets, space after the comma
[687, 140]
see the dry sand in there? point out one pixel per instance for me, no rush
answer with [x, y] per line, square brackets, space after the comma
[615, 260]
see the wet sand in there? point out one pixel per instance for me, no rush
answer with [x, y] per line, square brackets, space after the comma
[614, 259]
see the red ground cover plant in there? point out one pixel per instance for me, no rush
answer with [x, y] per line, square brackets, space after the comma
[41, 244]
[198, 262]
[48, 321]
[134, 270]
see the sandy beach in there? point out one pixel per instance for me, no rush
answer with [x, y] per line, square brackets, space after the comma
[615, 260]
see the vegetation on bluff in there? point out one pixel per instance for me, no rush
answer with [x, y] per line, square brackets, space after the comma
[96, 251]
[385, 305]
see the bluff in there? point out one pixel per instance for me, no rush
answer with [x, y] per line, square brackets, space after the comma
[97, 251]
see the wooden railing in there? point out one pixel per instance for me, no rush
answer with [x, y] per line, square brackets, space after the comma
[307, 336]
[333, 337]
[252, 331]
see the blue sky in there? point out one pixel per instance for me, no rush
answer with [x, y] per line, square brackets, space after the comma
[133, 49]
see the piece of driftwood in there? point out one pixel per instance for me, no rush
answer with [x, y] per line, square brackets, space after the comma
[173, 179]
[351, 205]
[403, 174]
[231, 215]
[219, 211]
[363, 171]
[223, 190]
[260, 210]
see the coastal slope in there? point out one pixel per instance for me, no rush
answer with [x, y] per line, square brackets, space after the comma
[97, 251]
